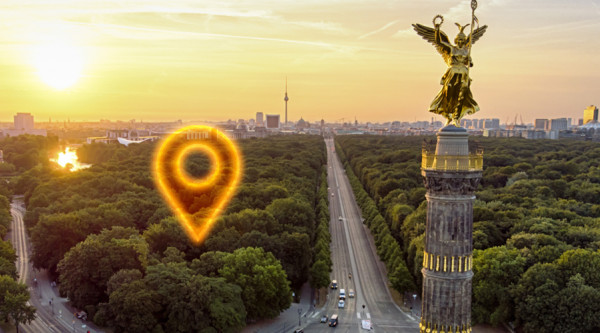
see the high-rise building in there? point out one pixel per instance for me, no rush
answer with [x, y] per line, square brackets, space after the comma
[23, 121]
[481, 124]
[495, 123]
[23, 124]
[558, 124]
[466, 123]
[590, 114]
[259, 119]
[542, 124]
[491, 123]
[272, 121]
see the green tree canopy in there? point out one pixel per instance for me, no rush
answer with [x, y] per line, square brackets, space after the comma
[14, 298]
[87, 267]
[260, 275]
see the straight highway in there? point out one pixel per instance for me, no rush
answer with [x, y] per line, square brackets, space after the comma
[353, 252]
[53, 313]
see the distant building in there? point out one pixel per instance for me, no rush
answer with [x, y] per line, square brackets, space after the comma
[23, 124]
[124, 136]
[535, 134]
[302, 124]
[542, 124]
[273, 121]
[552, 135]
[466, 123]
[23, 121]
[559, 124]
[481, 124]
[259, 119]
[491, 123]
[590, 114]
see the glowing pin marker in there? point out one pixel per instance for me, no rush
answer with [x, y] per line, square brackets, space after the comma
[197, 202]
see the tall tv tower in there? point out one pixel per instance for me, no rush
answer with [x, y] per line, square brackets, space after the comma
[286, 99]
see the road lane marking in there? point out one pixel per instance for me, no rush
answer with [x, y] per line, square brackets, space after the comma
[368, 315]
[358, 315]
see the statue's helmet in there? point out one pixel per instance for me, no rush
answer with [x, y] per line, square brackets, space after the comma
[461, 35]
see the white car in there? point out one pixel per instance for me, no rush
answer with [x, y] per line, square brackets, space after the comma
[341, 304]
[340, 218]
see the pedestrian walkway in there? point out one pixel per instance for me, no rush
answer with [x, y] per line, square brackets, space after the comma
[288, 319]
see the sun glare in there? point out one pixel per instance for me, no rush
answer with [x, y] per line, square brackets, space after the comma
[58, 65]
[69, 159]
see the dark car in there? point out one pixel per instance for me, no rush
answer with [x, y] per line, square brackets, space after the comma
[299, 330]
[333, 321]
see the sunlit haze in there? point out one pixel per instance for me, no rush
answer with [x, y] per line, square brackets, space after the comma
[69, 159]
[213, 60]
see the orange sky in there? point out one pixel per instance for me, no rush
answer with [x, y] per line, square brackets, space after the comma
[214, 60]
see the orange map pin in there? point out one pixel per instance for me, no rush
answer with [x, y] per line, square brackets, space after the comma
[197, 202]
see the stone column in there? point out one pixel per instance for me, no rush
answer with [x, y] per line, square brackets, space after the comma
[451, 176]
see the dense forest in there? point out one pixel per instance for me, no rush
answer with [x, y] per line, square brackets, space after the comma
[24, 152]
[119, 253]
[536, 224]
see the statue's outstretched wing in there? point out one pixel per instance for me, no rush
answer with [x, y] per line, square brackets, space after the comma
[477, 33]
[428, 34]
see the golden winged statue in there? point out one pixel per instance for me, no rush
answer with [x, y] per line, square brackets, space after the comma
[455, 100]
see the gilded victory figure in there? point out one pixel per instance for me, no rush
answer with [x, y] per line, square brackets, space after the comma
[455, 100]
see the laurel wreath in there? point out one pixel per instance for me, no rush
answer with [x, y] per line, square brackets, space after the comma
[440, 17]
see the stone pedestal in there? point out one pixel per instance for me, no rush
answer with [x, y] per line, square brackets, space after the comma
[451, 176]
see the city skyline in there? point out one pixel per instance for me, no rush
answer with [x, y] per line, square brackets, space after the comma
[159, 61]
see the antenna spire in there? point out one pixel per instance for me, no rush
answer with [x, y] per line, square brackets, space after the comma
[286, 99]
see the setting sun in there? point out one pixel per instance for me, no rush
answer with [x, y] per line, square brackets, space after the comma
[58, 65]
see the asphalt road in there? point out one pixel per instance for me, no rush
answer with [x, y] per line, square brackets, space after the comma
[353, 251]
[55, 316]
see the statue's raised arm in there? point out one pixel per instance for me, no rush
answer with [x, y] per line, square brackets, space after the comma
[438, 38]
[454, 100]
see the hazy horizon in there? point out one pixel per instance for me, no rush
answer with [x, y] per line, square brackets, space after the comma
[359, 58]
